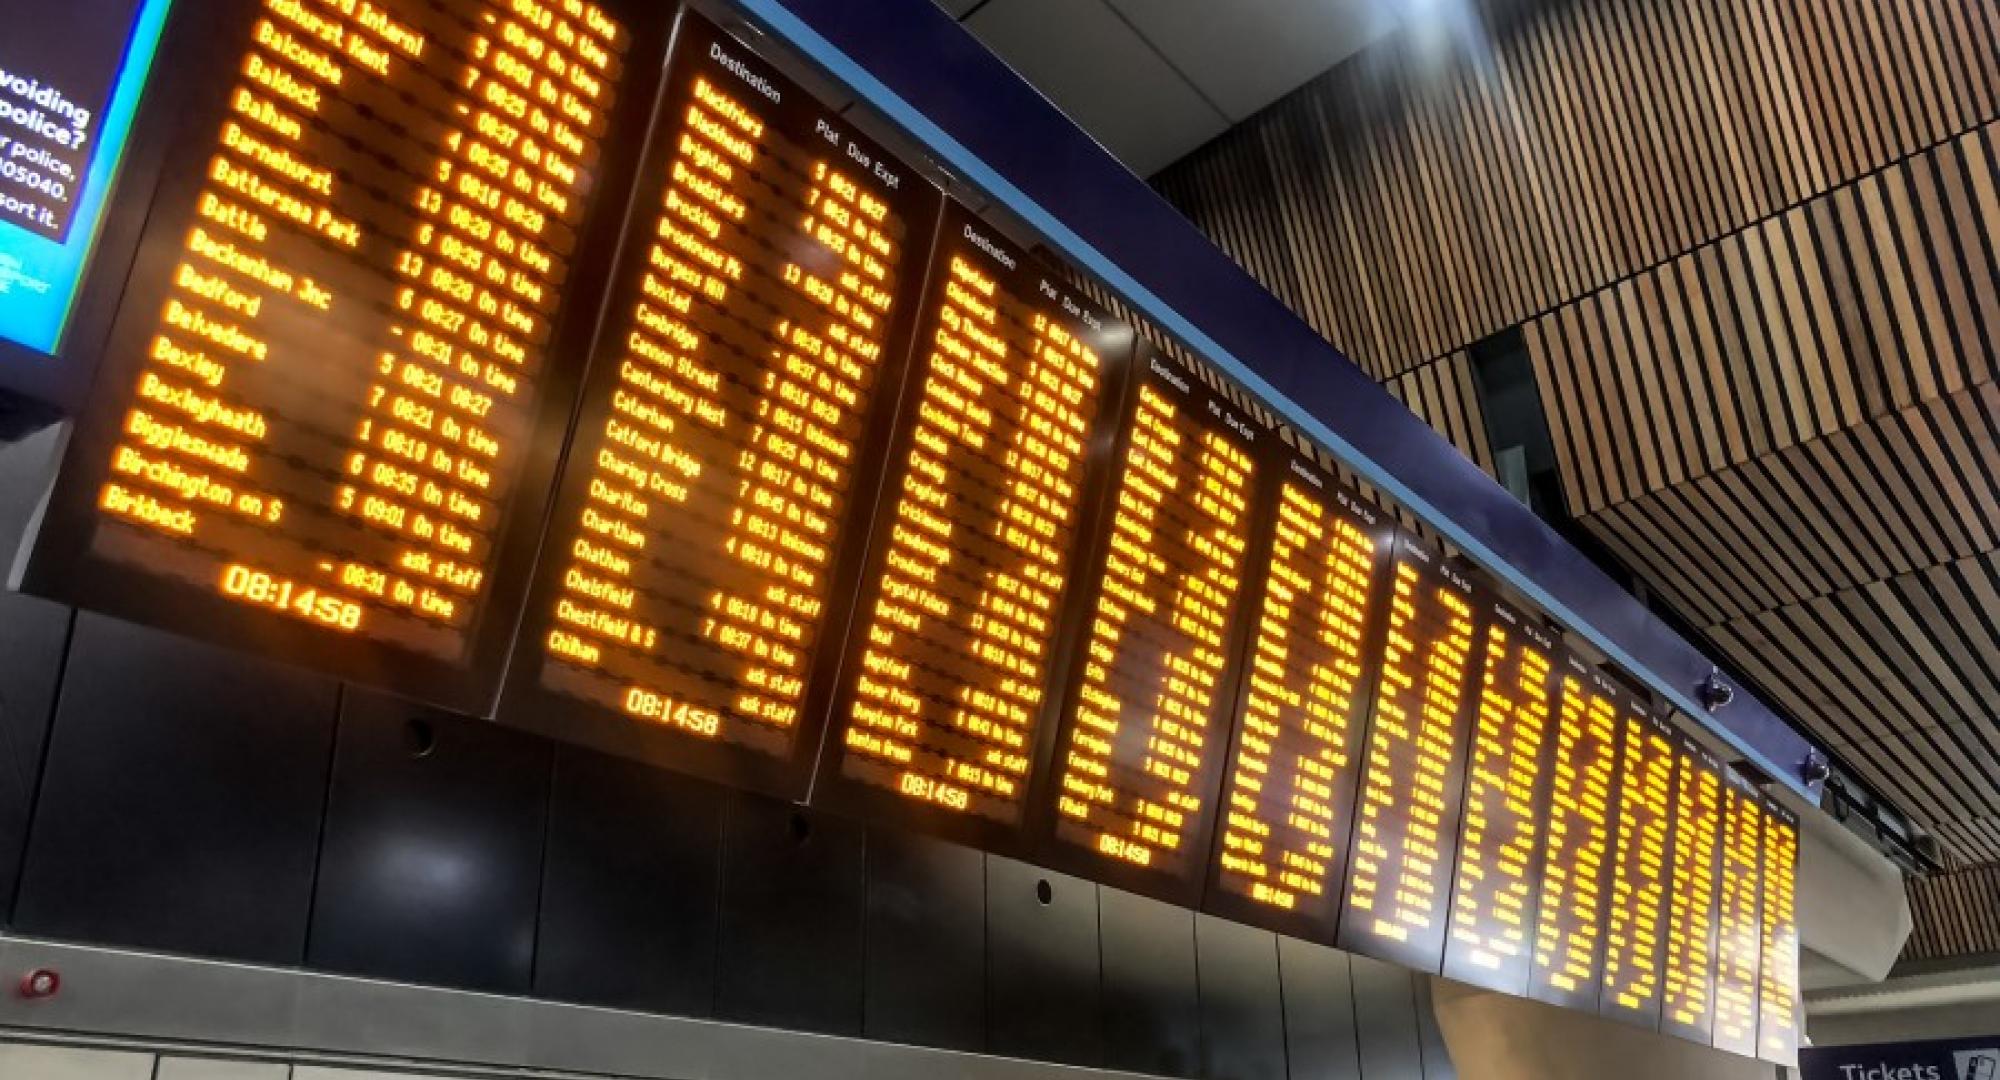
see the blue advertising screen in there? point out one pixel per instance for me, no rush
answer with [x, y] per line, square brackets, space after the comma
[70, 78]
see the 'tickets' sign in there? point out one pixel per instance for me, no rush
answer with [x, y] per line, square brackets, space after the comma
[1955, 1059]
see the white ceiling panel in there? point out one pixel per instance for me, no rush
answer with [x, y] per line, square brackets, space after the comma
[1245, 54]
[1087, 60]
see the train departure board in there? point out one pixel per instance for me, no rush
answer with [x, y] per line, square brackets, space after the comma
[974, 550]
[1576, 850]
[1493, 890]
[1739, 942]
[760, 306]
[1145, 720]
[313, 435]
[609, 369]
[1396, 901]
[1288, 795]
[1635, 908]
[1778, 967]
[1687, 984]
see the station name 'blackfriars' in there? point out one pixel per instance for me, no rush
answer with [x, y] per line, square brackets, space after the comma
[742, 71]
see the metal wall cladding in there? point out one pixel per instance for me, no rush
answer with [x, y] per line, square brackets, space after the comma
[925, 972]
[197, 802]
[628, 916]
[793, 918]
[1242, 1008]
[180, 800]
[1152, 988]
[33, 634]
[1044, 975]
[431, 864]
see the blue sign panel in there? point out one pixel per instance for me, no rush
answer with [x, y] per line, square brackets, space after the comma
[70, 79]
[1951, 1059]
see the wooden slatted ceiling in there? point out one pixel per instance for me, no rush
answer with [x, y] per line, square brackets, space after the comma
[1444, 395]
[1407, 208]
[1819, 517]
[1863, 301]
[1956, 914]
[1467, 425]
[1753, 247]
[1793, 434]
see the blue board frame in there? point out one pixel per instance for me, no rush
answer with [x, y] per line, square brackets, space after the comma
[35, 313]
[915, 64]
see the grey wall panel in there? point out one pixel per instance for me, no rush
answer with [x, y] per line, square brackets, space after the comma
[1242, 1009]
[181, 801]
[33, 635]
[793, 918]
[1320, 1038]
[1437, 1053]
[1042, 964]
[196, 1068]
[431, 865]
[629, 887]
[1385, 1017]
[926, 965]
[1152, 1003]
[64, 1063]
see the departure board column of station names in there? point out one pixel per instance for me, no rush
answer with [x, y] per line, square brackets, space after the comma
[1493, 891]
[697, 567]
[1284, 797]
[1632, 940]
[1141, 733]
[1778, 978]
[267, 402]
[1397, 884]
[1568, 922]
[956, 649]
[1737, 916]
[1689, 998]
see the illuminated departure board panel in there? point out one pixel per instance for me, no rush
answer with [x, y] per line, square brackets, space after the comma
[1778, 967]
[1635, 908]
[1576, 850]
[695, 547]
[605, 368]
[1493, 889]
[313, 435]
[975, 554]
[1286, 814]
[1739, 941]
[1396, 902]
[1688, 981]
[1145, 721]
